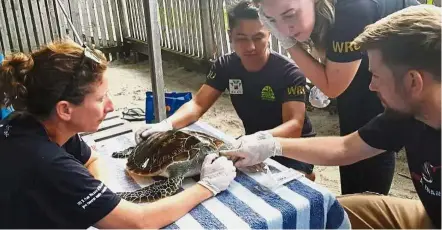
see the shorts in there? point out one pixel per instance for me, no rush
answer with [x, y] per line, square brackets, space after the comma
[369, 211]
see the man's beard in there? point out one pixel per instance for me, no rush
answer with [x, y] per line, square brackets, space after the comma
[396, 114]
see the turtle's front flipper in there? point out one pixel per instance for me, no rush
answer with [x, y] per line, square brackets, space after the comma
[123, 154]
[260, 167]
[157, 190]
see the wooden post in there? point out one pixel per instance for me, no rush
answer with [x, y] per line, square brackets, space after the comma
[122, 10]
[206, 26]
[151, 17]
[125, 32]
[4, 39]
[75, 17]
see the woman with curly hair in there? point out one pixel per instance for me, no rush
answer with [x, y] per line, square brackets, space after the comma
[50, 177]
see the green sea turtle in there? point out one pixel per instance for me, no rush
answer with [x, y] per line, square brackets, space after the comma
[173, 155]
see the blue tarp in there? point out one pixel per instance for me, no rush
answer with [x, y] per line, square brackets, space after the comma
[4, 111]
[174, 100]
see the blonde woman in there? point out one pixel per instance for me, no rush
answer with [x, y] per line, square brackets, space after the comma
[329, 26]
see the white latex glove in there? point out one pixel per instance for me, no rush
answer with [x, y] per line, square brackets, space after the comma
[317, 98]
[216, 175]
[254, 149]
[148, 129]
[286, 42]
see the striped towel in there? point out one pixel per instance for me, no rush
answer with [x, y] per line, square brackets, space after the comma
[248, 203]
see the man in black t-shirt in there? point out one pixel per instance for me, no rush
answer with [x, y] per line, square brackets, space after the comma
[259, 97]
[404, 53]
[267, 89]
[357, 105]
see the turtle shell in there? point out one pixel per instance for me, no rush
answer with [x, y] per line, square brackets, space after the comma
[155, 154]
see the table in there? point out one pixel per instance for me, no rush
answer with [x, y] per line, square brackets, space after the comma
[247, 204]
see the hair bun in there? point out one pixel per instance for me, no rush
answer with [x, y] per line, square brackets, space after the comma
[13, 76]
[18, 64]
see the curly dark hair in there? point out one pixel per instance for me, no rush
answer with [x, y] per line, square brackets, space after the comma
[36, 82]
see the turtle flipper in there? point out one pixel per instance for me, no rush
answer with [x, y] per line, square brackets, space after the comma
[260, 167]
[124, 153]
[157, 190]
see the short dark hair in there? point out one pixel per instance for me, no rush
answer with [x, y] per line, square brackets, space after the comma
[407, 39]
[242, 10]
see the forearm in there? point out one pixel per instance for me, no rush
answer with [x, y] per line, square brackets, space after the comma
[168, 210]
[326, 151]
[97, 168]
[313, 69]
[291, 128]
[186, 115]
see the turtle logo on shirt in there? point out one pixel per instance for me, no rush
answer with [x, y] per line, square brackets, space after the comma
[267, 94]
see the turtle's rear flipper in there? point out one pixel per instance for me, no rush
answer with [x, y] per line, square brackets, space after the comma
[157, 190]
[123, 154]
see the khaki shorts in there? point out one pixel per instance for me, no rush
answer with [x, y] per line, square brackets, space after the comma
[372, 211]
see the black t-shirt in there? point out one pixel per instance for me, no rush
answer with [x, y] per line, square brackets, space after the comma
[423, 148]
[45, 185]
[357, 105]
[258, 96]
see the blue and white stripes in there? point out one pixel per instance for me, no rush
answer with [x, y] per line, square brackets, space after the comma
[246, 204]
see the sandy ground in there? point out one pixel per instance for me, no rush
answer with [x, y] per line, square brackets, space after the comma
[129, 82]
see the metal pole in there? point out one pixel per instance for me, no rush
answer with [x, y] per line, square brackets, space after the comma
[153, 32]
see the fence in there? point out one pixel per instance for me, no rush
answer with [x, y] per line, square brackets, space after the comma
[193, 28]
[190, 30]
[196, 29]
[25, 25]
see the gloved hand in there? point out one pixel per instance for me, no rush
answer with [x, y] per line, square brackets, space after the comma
[255, 148]
[317, 98]
[216, 175]
[286, 42]
[148, 129]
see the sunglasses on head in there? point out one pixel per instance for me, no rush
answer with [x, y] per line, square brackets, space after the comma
[88, 55]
